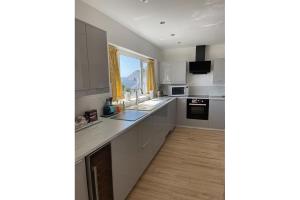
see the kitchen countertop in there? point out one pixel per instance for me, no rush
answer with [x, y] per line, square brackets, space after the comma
[212, 97]
[93, 137]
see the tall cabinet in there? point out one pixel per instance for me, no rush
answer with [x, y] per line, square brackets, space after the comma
[91, 60]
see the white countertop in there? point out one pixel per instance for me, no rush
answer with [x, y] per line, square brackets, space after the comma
[214, 97]
[93, 137]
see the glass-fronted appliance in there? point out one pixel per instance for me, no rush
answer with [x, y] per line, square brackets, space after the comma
[178, 90]
[197, 108]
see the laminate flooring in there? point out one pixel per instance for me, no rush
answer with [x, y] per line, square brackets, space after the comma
[189, 166]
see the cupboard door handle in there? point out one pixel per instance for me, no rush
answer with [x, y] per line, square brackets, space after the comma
[146, 144]
[194, 104]
[96, 182]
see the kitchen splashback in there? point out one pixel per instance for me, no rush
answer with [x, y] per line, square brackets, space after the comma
[207, 90]
[200, 90]
[90, 102]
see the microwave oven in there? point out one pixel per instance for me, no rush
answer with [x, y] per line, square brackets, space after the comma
[178, 90]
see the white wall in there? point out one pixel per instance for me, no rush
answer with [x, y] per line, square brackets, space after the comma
[116, 34]
[179, 54]
[198, 82]
[189, 54]
[215, 51]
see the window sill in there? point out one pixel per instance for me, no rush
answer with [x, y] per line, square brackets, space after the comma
[132, 101]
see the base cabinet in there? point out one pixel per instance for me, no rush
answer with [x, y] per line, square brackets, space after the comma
[217, 114]
[146, 142]
[125, 163]
[81, 189]
[172, 112]
[134, 150]
[99, 172]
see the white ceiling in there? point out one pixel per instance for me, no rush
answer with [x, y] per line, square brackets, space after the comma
[195, 22]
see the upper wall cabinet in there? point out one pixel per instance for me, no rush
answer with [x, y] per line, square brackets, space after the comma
[91, 60]
[219, 71]
[81, 60]
[173, 72]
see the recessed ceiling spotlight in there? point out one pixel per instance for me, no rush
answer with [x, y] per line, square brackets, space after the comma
[173, 34]
[144, 1]
[162, 22]
[178, 42]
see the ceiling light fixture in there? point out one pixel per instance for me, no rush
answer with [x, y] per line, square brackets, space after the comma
[144, 1]
[173, 34]
[162, 22]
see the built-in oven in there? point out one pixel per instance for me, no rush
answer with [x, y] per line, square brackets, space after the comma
[197, 109]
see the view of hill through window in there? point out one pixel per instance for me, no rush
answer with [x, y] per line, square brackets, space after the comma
[131, 76]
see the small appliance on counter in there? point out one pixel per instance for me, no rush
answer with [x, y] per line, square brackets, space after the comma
[91, 115]
[158, 93]
[88, 119]
[108, 108]
[80, 121]
[178, 90]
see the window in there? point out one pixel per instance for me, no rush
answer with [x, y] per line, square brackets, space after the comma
[144, 77]
[133, 73]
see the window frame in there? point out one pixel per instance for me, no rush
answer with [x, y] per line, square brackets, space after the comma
[142, 60]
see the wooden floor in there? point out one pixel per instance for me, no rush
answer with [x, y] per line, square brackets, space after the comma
[189, 166]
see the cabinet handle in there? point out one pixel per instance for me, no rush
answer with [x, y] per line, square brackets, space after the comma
[144, 145]
[194, 104]
[96, 182]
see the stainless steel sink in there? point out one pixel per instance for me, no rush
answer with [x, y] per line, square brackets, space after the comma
[141, 107]
[146, 105]
[129, 115]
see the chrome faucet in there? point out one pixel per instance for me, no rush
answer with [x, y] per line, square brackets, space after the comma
[136, 97]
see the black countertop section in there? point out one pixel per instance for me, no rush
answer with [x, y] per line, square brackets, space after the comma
[202, 96]
[206, 96]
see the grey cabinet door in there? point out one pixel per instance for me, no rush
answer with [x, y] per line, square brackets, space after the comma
[81, 190]
[159, 128]
[219, 71]
[81, 59]
[125, 164]
[172, 110]
[217, 114]
[97, 57]
[146, 141]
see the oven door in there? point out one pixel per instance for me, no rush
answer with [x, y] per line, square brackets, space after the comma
[197, 109]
